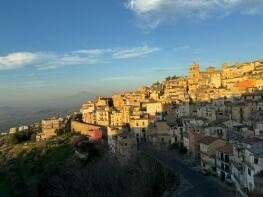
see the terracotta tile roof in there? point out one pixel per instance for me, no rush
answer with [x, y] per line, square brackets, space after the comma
[226, 149]
[207, 140]
[252, 140]
[245, 84]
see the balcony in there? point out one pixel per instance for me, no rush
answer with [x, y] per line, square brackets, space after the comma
[237, 179]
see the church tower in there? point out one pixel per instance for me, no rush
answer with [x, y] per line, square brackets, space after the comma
[194, 70]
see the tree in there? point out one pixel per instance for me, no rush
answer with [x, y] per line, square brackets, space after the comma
[168, 78]
[20, 137]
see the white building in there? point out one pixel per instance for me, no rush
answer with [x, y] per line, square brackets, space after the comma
[253, 164]
[182, 110]
[12, 130]
[259, 129]
[23, 128]
[247, 162]
[223, 161]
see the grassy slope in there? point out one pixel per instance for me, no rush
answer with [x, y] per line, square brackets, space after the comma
[23, 164]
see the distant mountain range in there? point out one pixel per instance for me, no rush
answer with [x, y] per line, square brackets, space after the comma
[25, 112]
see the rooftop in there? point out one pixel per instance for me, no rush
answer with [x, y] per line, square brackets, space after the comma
[226, 149]
[256, 151]
[207, 140]
[252, 140]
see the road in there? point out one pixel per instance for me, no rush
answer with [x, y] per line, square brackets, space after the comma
[202, 186]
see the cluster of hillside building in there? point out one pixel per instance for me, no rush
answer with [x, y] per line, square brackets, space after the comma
[216, 116]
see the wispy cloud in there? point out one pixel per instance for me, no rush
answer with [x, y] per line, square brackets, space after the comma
[153, 12]
[48, 60]
[120, 53]
[134, 52]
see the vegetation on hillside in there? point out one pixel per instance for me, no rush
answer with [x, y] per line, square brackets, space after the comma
[22, 164]
[51, 168]
[20, 137]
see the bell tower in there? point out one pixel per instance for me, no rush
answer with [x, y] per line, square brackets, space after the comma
[194, 70]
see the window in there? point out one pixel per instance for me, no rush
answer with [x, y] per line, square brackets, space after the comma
[256, 160]
[222, 166]
[226, 158]
[249, 172]
[227, 168]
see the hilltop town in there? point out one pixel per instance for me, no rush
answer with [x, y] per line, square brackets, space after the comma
[213, 117]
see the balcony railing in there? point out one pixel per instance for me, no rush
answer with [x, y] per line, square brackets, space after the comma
[237, 179]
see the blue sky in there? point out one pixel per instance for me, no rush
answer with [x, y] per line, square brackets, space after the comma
[56, 48]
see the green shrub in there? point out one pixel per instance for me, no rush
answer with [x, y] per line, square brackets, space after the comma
[20, 137]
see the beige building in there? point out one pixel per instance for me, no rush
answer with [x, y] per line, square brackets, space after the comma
[116, 118]
[118, 100]
[241, 112]
[158, 134]
[122, 143]
[176, 89]
[88, 112]
[215, 79]
[213, 84]
[155, 107]
[49, 128]
[103, 102]
[12, 130]
[208, 146]
[139, 128]
[103, 116]
[127, 112]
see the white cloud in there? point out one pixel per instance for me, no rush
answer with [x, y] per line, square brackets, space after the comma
[120, 53]
[46, 60]
[17, 60]
[93, 52]
[153, 12]
[134, 52]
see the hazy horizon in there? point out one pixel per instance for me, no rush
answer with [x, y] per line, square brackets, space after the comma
[51, 49]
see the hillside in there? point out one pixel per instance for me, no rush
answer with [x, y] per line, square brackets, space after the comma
[52, 168]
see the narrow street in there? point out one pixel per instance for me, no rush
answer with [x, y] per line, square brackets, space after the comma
[201, 186]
